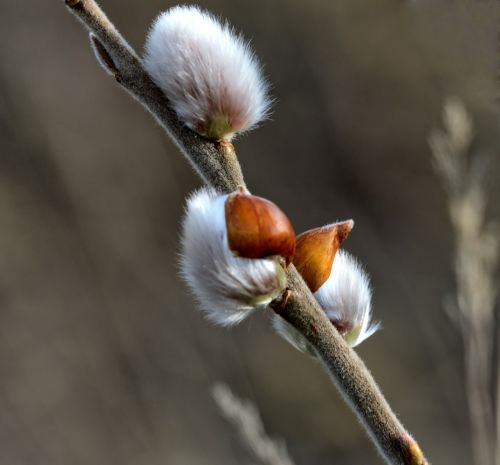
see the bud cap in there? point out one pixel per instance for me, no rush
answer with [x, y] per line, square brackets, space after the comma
[257, 228]
[316, 250]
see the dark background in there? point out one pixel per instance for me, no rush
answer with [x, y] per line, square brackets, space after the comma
[103, 357]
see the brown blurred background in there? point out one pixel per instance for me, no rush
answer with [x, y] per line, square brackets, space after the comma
[103, 357]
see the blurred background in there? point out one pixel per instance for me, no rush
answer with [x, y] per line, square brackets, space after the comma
[103, 357]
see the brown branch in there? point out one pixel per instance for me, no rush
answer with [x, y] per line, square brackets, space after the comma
[350, 375]
[218, 166]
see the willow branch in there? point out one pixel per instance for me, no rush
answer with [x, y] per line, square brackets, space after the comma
[217, 165]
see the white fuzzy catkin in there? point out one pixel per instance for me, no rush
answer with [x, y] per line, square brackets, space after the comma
[209, 73]
[227, 287]
[346, 299]
[290, 334]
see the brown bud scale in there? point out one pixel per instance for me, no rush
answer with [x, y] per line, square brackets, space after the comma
[316, 250]
[257, 228]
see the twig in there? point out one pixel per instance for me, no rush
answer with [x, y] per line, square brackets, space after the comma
[218, 166]
[245, 417]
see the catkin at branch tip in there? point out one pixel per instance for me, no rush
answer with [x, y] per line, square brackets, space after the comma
[210, 75]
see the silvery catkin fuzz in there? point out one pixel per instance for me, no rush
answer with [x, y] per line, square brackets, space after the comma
[339, 284]
[229, 287]
[210, 75]
[346, 299]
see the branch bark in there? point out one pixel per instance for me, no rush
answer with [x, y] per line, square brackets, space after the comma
[218, 166]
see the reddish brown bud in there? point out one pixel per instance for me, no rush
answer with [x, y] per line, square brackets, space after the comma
[257, 228]
[316, 250]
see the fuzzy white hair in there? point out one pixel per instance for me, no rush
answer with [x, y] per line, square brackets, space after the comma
[209, 74]
[290, 334]
[345, 297]
[227, 287]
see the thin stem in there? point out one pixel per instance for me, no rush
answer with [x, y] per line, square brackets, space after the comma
[497, 398]
[246, 418]
[477, 365]
[218, 166]
[349, 374]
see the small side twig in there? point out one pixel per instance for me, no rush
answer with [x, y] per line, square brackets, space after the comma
[218, 166]
[245, 417]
